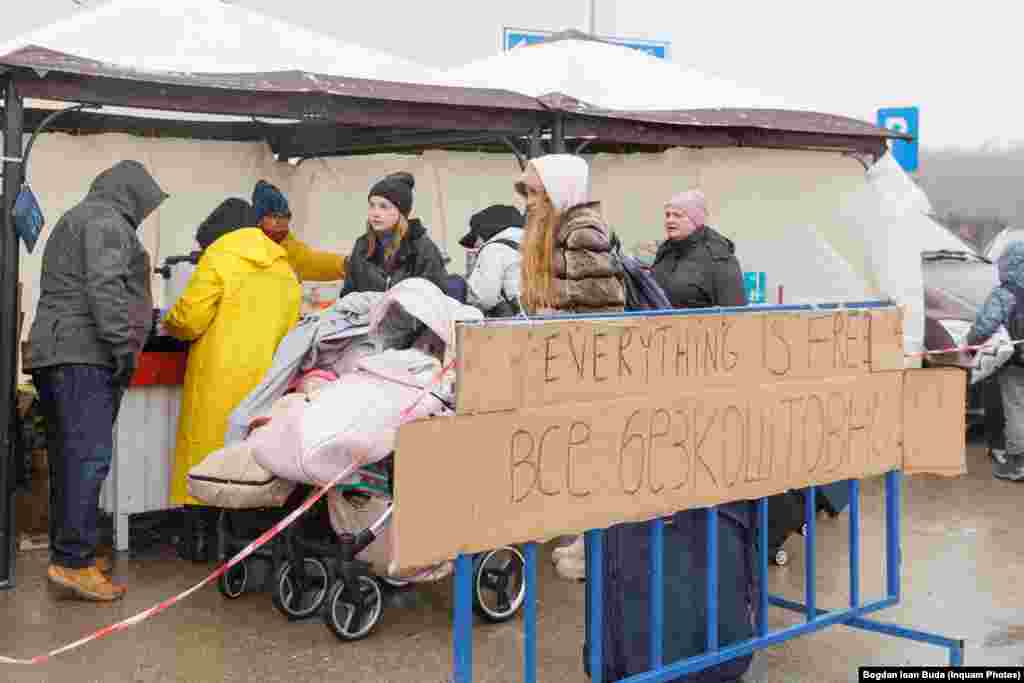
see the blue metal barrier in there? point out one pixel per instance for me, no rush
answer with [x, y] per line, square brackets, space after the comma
[817, 619]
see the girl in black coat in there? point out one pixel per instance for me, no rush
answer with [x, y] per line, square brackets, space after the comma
[394, 247]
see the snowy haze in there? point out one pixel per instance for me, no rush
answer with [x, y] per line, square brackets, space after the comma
[956, 61]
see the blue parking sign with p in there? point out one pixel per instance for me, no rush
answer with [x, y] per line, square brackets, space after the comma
[902, 120]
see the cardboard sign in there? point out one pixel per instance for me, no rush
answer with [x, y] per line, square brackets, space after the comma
[566, 426]
[566, 361]
[935, 421]
[537, 473]
[886, 339]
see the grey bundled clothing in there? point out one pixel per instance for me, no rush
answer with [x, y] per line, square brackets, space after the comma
[326, 341]
[95, 301]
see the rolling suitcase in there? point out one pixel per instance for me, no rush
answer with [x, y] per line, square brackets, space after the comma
[786, 514]
[627, 593]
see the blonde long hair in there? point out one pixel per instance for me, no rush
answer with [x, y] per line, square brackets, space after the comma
[401, 229]
[536, 268]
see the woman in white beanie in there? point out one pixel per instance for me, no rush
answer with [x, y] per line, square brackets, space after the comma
[567, 266]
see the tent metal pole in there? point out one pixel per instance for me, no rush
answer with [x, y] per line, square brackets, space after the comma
[9, 253]
[558, 134]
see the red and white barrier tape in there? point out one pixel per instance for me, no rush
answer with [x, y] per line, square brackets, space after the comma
[954, 349]
[160, 607]
[240, 557]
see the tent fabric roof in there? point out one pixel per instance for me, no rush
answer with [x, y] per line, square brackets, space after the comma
[197, 36]
[42, 60]
[607, 76]
[210, 36]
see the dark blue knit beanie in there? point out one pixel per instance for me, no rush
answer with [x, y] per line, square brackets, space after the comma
[269, 201]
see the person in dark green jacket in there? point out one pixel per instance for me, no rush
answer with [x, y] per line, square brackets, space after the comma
[695, 265]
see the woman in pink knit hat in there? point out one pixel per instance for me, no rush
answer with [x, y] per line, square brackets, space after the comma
[695, 265]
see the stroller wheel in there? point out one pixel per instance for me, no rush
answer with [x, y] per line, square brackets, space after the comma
[781, 558]
[299, 602]
[394, 583]
[499, 583]
[233, 582]
[353, 619]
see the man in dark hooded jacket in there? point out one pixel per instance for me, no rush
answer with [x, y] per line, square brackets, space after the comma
[94, 314]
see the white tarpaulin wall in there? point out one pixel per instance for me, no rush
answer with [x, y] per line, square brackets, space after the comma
[811, 221]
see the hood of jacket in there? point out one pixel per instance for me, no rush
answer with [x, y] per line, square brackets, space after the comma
[130, 187]
[250, 244]
[514, 234]
[1011, 264]
[418, 300]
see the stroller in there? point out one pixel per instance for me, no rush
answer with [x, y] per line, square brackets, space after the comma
[348, 427]
[350, 591]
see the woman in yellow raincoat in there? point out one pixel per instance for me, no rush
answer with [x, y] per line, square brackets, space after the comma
[243, 298]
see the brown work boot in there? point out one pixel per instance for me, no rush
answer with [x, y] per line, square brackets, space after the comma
[105, 565]
[86, 584]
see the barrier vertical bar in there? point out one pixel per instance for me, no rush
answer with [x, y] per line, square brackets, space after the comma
[595, 591]
[892, 533]
[854, 543]
[530, 647]
[712, 583]
[657, 592]
[762, 567]
[463, 654]
[810, 566]
[956, 654]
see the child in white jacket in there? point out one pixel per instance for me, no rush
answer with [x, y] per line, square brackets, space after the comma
[495, 233]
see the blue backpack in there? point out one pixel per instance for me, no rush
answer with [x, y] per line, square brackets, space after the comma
[643, 293]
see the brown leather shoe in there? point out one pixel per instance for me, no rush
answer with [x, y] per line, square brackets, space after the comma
[86, 584]
[105, 565]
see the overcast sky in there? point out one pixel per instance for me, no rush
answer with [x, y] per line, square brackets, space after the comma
[959, 62]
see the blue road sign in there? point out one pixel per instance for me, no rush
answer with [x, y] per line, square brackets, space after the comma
[515, 37]
[904, 120]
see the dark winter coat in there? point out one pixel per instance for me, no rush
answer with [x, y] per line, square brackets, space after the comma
[95, 300]
[700, 271]
[417, 256]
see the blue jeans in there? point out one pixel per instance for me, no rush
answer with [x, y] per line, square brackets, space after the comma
[79, 404]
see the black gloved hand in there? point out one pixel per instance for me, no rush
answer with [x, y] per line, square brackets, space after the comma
[124, 368]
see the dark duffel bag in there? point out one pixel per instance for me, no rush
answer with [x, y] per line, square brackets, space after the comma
[626, 635]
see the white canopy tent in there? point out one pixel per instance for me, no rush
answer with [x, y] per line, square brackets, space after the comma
[208, 36]
[608, 76]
